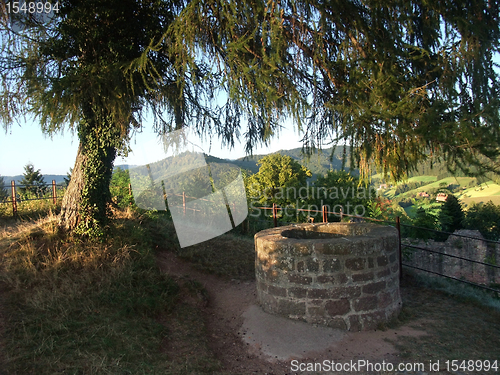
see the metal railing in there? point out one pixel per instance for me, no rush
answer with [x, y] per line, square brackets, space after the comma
[397, 224]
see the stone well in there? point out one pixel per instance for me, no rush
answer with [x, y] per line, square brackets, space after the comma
[342, 275]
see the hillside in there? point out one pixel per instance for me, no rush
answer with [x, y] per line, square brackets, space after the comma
[318, 163]
[423, 189]
[46, 177]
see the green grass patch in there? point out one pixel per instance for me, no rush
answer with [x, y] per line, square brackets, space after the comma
[427, 179]
[482, 191]
[76, 307]
[494, 198]
[230, 256]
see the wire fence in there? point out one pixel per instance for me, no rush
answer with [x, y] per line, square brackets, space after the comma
[489, 271]
[46, 192]
[443, 257]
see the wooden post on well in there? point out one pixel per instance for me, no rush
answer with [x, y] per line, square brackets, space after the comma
[54, 192]
[14, 198]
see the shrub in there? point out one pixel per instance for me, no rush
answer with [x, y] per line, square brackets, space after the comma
[485, 218]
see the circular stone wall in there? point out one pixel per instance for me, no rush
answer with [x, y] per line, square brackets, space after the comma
[343, 275]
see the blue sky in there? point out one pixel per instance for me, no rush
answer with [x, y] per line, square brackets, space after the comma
[27, 144]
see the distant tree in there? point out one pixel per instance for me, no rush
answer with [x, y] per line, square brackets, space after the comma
[279, 181]
[119, 188]
[33, 182]
[451, 215]
[340, 189]
[67, 179]
[3, 191]
[424, 220]
[485, 218]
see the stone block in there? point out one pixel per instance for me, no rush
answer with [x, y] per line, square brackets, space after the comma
[338, 307]
[384, 300]
[374, 288]
[331, 265]
[316, 311]
[371, 263]
[276, 291]
[346, 292]
[341, 278]
[261, 286]
[337, 323]
[322, 279]
[284, 264]
[268, 302]
[332, 248]
[382, 261]
[297, 292]
[301, 280]
[291, 307]
[354, 324]
[383, 273]
[366, 303]
[372, 320]
[318, 293]
[355, 264]
[301, 267]
[312, 265]
[357, 277]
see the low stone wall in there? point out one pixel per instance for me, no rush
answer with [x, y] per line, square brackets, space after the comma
[468, 248]
[343, 275]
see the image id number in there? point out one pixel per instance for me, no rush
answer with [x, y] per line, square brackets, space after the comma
[32, 7]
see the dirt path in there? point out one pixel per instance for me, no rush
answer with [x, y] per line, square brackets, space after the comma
[228, 300]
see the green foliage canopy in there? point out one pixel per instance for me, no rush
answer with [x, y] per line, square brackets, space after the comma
[278, 181]
[398, 81]
[485, 218]
[341, 190]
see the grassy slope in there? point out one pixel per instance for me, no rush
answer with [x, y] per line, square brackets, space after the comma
[489, 191]
[87, 308]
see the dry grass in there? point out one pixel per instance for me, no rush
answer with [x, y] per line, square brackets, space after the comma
[77, 307]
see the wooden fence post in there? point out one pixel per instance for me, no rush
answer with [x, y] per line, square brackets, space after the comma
[14, 198]
[341, 214]
[184, 202]
[275, 215]
[54, 193]
[325, 215]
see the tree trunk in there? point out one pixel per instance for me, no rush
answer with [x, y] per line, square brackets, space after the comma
[69, 217]
[84, 208]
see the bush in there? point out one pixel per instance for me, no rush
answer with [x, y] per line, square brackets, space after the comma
[485, 218]
[423, 219]
[119, 188]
